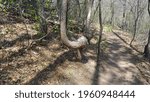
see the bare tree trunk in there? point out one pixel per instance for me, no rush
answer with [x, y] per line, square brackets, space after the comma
[89, 10]
[79, 43]
[58, 8]
[95, 13]
[100, 34]
[135, 30]
[79, 7]
[136, 21]
[88, 19]
[78, 17]
[147, 46]
[124, 15]
[112, 12]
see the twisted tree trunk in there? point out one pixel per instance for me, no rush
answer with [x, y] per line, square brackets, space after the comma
[80, 42]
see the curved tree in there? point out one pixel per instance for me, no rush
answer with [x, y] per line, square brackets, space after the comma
[80, 42]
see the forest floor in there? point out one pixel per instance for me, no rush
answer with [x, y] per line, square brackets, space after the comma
[49, 62]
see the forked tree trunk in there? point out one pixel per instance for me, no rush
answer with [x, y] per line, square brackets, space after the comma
[80, 42]
[147, 46]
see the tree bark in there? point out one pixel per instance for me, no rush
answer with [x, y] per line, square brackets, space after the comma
[147, 46]
[135, 30]
[124, 15]
[112, 12]
[138, 13]
[100, 34]
[80, 42]
[88, 19]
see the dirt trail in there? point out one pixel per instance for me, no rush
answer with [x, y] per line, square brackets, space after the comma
[118, 67]
[118, 64]
[48, 62]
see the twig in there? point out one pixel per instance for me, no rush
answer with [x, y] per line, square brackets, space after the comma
[34, 41]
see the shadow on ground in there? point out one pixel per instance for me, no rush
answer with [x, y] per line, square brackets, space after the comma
[50, 70]
[117, 64]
